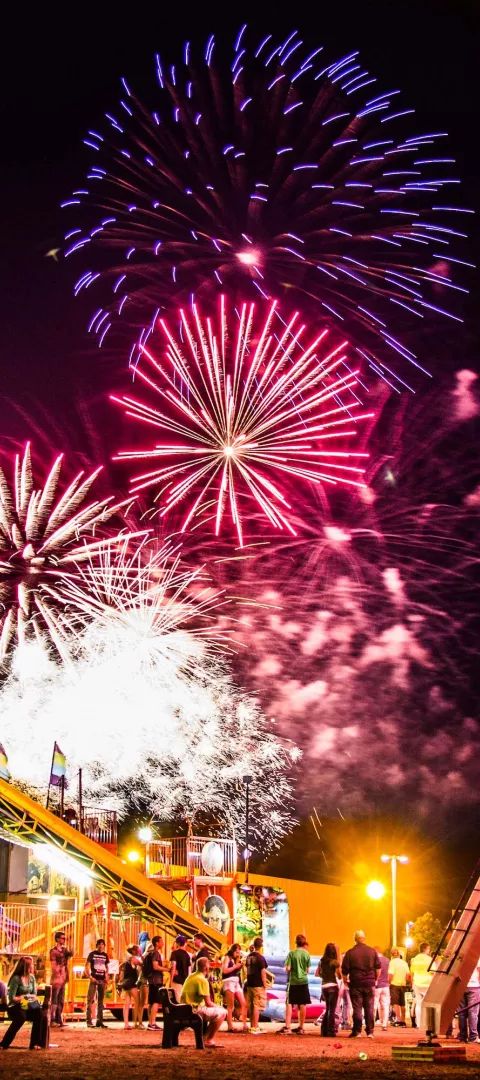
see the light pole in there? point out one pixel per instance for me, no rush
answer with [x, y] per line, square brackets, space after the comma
[393, 860]
[246, 855]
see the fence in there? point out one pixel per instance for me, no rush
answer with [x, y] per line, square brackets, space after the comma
[191, 856]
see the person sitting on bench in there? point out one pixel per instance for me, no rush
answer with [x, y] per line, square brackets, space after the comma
[196, 992]
[23, 1005]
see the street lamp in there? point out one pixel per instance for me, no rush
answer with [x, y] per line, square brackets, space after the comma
[393, 860]
[246, 854]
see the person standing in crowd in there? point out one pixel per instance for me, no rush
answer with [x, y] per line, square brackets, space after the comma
[145, 946]
[329, 970]
[469, 1008]
[256, 966]
[59, 957]
[179, 965]
[154, 967]
[344, 1005]
[144, 941]
[421, 975]
[24, 1006]
[131, 972]
[296, 966]
[232, 990]
[399, 978]
[196, 992]
[360, 970]
[201, 950]
[382, 992]
[96, 969]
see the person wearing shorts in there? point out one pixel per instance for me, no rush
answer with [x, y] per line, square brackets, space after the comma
[232, 990]
[296, 966]
[155, 970]
[399, 978]
[256, 966]
[196, 992]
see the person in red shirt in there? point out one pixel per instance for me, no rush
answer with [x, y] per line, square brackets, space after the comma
[59, 957]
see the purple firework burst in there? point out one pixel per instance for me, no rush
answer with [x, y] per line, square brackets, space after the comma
[262, 168]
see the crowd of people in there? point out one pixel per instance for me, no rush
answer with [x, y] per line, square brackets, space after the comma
[359, 989]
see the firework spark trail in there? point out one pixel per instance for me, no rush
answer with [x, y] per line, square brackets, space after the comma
[249, 405]
[271, 169]
[44, 533]
[148, 592]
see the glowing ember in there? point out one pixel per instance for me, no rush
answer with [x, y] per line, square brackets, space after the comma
[250, 257]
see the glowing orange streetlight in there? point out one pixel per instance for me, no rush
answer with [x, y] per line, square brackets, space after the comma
[375, 890]
[133, 856]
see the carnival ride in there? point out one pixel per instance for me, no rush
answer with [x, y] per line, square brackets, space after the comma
[454, 960]
[26, 820]
[118, 901]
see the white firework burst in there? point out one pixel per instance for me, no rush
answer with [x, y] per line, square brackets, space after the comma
[45, 531]
[145, 706]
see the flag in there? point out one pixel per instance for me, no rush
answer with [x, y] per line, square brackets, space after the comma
[59, 766]
[4, 770]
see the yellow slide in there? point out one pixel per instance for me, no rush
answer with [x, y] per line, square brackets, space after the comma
[29, 821]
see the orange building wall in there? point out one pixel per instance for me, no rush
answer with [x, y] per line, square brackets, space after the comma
[331, 912]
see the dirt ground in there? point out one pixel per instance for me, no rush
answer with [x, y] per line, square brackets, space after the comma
[113, 1054]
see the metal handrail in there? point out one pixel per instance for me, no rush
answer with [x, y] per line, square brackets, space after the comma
[460, 910]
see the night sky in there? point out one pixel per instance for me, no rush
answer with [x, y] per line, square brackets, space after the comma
[60, 73]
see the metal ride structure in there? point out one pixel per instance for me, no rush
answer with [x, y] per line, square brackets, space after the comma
[454, 960]
[25, 820]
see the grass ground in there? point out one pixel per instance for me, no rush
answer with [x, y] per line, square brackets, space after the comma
[81, 1054]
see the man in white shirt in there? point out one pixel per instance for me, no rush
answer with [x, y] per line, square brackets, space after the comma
[421, 977]
[399, 978]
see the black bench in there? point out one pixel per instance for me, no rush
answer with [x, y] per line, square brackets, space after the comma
[176, 1018]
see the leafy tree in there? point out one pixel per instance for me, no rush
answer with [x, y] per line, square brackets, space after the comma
[427, 928]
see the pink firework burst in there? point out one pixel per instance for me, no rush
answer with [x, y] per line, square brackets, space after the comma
[249, 408]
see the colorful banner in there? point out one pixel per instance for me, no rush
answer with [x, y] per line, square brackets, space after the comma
[5, 773]
[59, 767]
